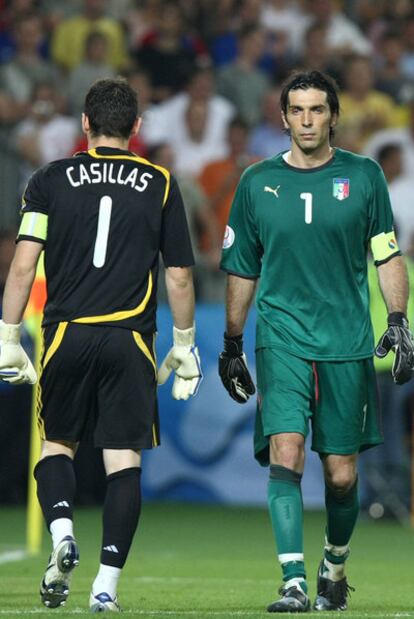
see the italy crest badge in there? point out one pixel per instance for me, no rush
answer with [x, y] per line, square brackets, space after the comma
[341, 188]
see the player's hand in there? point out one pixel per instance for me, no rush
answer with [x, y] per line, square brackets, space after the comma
[15, 365]
[399, 338]
[233, 370]
[184, 360]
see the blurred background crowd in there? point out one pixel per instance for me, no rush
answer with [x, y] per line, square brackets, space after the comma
[208, 76]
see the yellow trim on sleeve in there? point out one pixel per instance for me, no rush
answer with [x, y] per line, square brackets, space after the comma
[144, 348]
[154, 436]
[92, 152]
[35, 225]
[384, 245]
[121, 315]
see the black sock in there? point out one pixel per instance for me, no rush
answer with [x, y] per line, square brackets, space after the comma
[120, 515]
[56, 486]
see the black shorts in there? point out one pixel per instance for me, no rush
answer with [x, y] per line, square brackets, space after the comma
[98, 383]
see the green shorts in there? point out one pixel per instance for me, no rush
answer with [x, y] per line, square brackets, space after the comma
[339, 398]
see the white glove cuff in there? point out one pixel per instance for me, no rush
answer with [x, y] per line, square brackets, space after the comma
[10, 334]
[184, 337]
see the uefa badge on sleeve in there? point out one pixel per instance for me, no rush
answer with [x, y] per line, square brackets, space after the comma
[341, 188]
[228, 237]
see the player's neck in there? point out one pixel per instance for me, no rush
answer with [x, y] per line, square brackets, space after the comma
[109, 142]
[298, 159]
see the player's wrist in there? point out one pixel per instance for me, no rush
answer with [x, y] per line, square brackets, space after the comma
[10, 334]
[184, 337]
[398, 319]
[233, 345]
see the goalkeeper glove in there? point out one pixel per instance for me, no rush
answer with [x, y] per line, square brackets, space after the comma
[399, 338]
[233, 369]
[184, 359]
[15, 365]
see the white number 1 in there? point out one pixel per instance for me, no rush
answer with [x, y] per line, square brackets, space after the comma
[101, 242]
[308, 206]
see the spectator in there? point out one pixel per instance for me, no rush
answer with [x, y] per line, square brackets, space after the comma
[403, 136]
[27, 68]
[68, 41]
[364, 110]
[167, 122]
[407, 60]
[46, 134]
[241, 81]
[93, 67]
[168, 54]
[281, 15]
[316, 55]
[220, 177]
[269, 137]
[390, 159]
[195, 149]
[343, 36]
[390, 78]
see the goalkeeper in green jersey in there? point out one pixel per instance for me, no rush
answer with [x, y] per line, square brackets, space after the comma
[302, 221]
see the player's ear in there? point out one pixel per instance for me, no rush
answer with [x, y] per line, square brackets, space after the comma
[285, 122]
[85, 124]
[136, 126]
[334, 120]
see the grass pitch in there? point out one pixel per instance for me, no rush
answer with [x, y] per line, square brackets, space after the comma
[210, 562]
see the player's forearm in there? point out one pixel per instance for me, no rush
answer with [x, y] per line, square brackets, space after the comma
[393, 281]
[16, 293]
[239, 296]
[180, 290]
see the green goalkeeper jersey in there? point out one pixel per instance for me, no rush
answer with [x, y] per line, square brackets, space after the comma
[305, 233]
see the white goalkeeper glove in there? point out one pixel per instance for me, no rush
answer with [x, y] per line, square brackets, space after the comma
[184, 359]
[15, 365]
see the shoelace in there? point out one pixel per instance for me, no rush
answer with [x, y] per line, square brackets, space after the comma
[340, 592]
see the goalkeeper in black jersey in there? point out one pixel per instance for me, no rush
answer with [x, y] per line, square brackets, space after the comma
[102, 218]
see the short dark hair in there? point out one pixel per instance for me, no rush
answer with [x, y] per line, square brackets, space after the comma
[111, 106]
[303, 80]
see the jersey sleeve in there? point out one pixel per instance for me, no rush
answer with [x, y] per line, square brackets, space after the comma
[242, 250]
[381, 234]
[175, 245]
[34, 211]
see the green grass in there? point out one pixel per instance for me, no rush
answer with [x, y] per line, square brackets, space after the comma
[210, 562]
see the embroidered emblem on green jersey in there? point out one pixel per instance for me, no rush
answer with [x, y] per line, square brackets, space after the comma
[341, 188]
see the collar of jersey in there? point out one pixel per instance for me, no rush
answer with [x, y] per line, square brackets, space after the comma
[108, 150]
[308, 170]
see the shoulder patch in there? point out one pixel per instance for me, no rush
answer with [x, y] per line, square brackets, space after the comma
[229, 237]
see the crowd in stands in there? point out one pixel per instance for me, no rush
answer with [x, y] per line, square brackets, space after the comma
[208, 75]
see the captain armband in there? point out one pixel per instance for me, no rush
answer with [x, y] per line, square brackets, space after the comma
[33, 226]
[384, 246]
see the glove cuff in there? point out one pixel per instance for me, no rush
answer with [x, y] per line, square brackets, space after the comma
[10, 334]
[184, 337]
[397, 319]
[233, 345]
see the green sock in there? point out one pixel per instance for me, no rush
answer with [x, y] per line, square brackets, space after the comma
[286, 515]
[342, 513]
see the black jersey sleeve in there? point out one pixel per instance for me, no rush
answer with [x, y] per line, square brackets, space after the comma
[175, 244]
[35, 196]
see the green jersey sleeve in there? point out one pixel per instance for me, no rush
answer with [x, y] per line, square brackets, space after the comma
[242, 250]
[380, 229]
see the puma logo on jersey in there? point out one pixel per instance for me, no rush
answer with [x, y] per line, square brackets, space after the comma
[270, 190]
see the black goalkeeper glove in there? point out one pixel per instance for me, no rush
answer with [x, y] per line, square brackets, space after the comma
[233, 369]
[399, 338]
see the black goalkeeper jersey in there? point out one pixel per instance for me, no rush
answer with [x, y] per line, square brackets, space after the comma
[104, 217]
